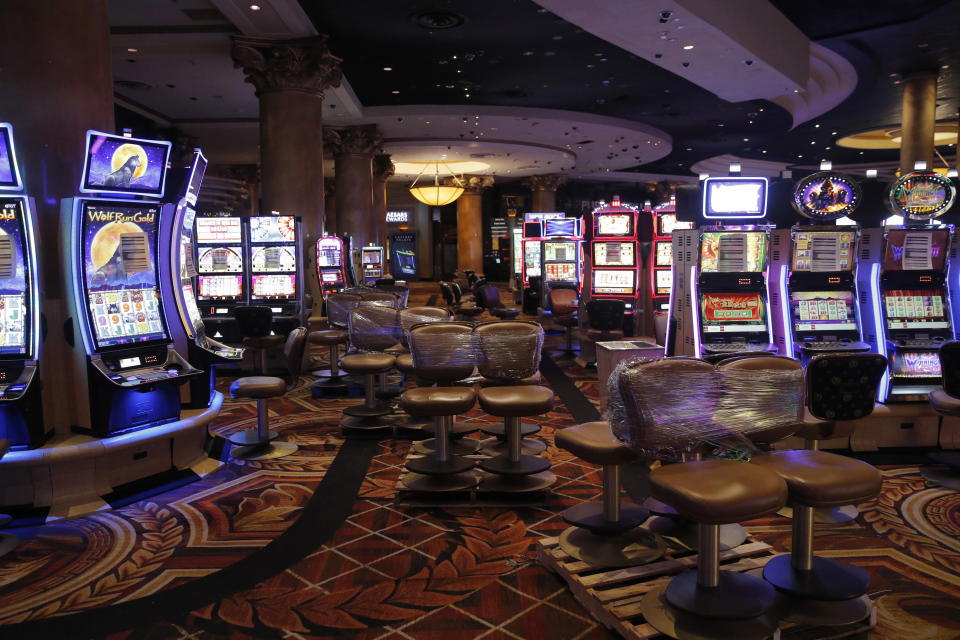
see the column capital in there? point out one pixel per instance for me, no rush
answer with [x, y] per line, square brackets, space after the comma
[548, 182]
[364, 139]
[471, 184]
[383, 167]
[301, 64]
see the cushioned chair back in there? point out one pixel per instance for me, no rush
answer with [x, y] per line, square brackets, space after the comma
[443, 352]
[412, 316]
[843, 386]
[509, 350]
[374, 328]
[769, 386]
[447, 292]
[605, 315]
[339, 306]
[560, 301]
[490, 297]
[950, 367]
[401, 293]
[457, 292]
[378, 299]
[293, 352]
[254, 321]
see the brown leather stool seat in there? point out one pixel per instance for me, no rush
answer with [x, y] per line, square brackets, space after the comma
[404, 363]
[364, 416]
[595, 443]
[516, 401]
[438, 401]
[258, 387]
[331, 338]
[463, 313]
[504, 313]
[368, 363]
[944, 403]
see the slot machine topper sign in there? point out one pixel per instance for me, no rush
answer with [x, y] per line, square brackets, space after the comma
[826, 196]
[922, 195]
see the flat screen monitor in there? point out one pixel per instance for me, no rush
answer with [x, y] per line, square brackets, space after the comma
[221, 259]
[822, 251]
[663, 281]
[274, 286]
[9, 173]
[915, 309]
[614, 254]
[218, 230]
[734, 197]
[921, 250]
[565, 271]
[615, 282]
[915, 364]
[330, 276]
[531, 257]
[270, 259]
[129, 166]
[220, 287]
[732, 313]
[372, 256]
[559, 251]
[615, 224]
[14, 281]
[823, 311]
[561, 227]
[273, 229]
[664, 255]
[197, 171]
[733, 251]
[120, 273]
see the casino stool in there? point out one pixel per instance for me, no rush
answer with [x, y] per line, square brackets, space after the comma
[605, 323]
[332, 380]
[255, 323]
[946, 402]
[605, 534]
[564, 314]
[8, 541]
[515, 471]
[368, 415]
[258, 444]
[377, 328]
[490, 296]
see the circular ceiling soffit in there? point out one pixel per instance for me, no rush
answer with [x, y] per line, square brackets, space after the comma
[889, 137]
[437, 19]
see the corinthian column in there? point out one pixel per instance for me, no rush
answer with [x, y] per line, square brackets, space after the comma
[353, 149]
[382, 171]
[470, 223]
[544, 189]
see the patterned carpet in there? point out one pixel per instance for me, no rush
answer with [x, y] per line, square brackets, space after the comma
[390, 571]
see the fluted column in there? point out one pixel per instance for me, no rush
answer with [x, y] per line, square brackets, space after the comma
[919, 118]
[544, 190]
[353, 149]
[382, 171]
[290, 77]
[330, 206]
[470, 223]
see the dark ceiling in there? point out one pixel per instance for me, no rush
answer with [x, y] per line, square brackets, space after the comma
[513, 52]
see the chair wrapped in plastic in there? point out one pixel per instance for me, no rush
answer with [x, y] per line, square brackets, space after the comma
[372, 330]
[339, 306]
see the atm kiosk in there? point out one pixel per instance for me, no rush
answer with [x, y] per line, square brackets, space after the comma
[276, 268]
[561, 256]
[126, 369]
[331, 272]
[615, 256]
[21, 412]
[661, 256]
[221, 267]
[186, 326]
[371, 261]
[729, 285]
[818, 289]
[910, 297]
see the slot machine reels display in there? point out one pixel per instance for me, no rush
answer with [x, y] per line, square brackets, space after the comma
[561, 255]
[275, 268]
[661, 258]
[614, 270]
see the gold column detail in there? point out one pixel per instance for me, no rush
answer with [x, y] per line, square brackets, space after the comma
[470, 222]
[544, 190]
[383, 170]
[919, 117]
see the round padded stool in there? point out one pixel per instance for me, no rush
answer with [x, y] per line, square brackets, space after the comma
[331, 338]
[818, 479]
[442, 403]
[467, 313]
[568, 322]
[258, 443]
[510, 403]
[368, 415]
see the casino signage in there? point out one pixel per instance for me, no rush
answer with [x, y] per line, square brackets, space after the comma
[922, 195]
[826, 195]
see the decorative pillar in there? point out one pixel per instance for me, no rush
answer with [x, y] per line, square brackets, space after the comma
[918, 119]
[290, 77]
[382, 171]
[544, 190]
[470, 223]
[330, 206]
[353, 149]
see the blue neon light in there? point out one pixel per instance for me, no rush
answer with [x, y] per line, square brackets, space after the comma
[86, 187]
[879, 328]
[15, 184]
[34, 279]
[695, 303]
[785, 312]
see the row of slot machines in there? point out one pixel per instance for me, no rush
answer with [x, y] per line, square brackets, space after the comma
[824, 286]
[552, 252]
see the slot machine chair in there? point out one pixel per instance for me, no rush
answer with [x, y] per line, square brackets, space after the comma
[564, 310]
[489, 295]
[839, 386]
[409, 318]
[332, 379]
[452, 301]
[372, 330]
[604, 324]
[8, 541]
[946, 402]
[259, 443]
[255, 323]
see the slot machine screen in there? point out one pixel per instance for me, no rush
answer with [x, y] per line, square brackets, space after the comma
[820, 251]
[220, 287]
[14, 289]
[273, 229]
[221, 259]
[615, 282]
[273, 258]
[823, 311]
[218, 230]
[664, 257]
[908, 250]
[560, 227]
[664, 281]
[561, 271]
[732, 313]
[274, 286]
[915, 309]
[733, 251]
[915, 364]
[9, 175]
[613, 254]
[329, 276]
[559, 251]
[328, 254]
[531, 257]
[371, 257]
[120, 273]
[129, 166]
[614, 224]
[667, 223]
[734, 197]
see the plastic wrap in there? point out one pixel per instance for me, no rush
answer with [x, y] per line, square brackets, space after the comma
[671, 408]
[420, 315]
[444, 352]
[374, 328]
[509, 350]
[339, 306]
[402, 293]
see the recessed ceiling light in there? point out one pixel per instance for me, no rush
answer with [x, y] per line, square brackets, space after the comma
[799, 155]
[833, 133]
[254, 7]
[687, 47]
[131, 50]
[816, 126]
[746, 139]
[395, 91]
[388, 68]
[796, 90]
[763, 151]
[813, 142]
[945, 66]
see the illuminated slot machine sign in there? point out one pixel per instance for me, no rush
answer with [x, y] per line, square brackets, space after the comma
[826, 196]
[273, 258]
[662, 274]
[615, 270]
[922, 195]
[220, 265]
[330, 270]
[737, 197]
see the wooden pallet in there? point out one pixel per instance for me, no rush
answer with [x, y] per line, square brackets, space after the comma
[612, 596]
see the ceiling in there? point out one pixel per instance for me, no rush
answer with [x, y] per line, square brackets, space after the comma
[511, 84]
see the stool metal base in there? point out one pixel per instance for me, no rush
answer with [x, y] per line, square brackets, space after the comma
[269, 451]
[672, 622]
[518, 484]
[630, 548]
[685, 531]
[8, 542]
[327, 373]
[823, 613]
[945, 477]
[525, 466]
[497, 447]
[736, 596]
[363, 411]
[431, 466]
[827, 580]
[827, 515]
[465, 447]
[439, 484]
[589, 516]
[497, 429]
[377, 423]
[251, 437]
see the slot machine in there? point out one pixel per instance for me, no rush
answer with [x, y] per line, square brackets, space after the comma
[371, 261]
[186, 326]
[516, 238]
[532, 244]
[818, 287]
[21, 411]
[614, 270]
[909, 293]
[661, 258]
[331, 272]
[729, 286]
[561, 255]
[126, 369]
[276, 268]
[220, 285]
